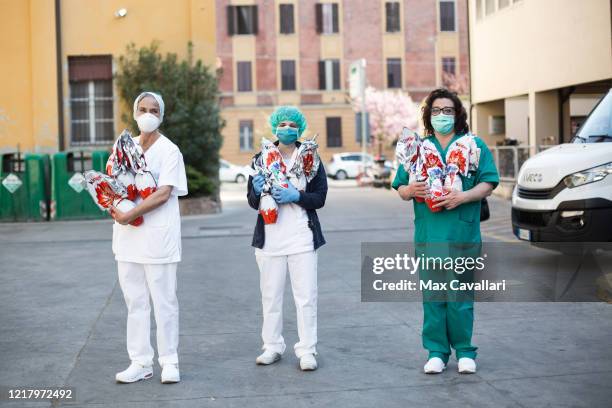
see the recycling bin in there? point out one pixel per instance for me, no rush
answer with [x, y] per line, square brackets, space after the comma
[69, 198]
[24, 187]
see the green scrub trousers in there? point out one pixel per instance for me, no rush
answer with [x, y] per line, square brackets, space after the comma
[446, 322]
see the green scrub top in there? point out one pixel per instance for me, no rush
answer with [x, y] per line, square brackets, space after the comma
[461, 224]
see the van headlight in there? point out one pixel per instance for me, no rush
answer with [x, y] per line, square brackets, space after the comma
[588, 176]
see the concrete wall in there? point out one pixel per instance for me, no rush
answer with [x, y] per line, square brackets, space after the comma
[538, 45]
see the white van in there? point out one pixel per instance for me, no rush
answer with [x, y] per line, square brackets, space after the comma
[564, 194]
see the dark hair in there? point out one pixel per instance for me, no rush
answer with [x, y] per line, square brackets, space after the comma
[461, 125]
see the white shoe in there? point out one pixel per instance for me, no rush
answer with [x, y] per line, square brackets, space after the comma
[434, 365]
[268, 357]
[170, 374]
[466, 365]
[135, 372]
[308, 362]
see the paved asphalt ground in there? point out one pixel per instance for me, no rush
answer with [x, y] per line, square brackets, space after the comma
[62, 323]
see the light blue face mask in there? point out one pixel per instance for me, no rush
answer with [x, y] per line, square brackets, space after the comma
[287, 135]
[443, 124]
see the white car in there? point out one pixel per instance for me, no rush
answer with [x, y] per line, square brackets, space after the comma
[232, 172]
[564, 194]
[347, 165]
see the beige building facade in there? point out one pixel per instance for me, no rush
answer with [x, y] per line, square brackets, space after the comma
[537, 67]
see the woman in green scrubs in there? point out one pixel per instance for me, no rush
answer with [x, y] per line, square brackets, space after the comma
[447, 323]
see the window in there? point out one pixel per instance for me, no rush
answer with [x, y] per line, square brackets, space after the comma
[288, 75]
[287, 24]
[333, 127]
[394, 73]
[504, 3]
[241, 20]
[329, 74]
[358, 128]
[91, 100]
[447, 15]
[448, 71]
[327, 18]
[245, 82]
[392, 12]
[246, 135]
[489, 6]
[448, 65]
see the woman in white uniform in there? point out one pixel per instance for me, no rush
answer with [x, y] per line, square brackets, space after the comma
[289, 245]
[147, 256]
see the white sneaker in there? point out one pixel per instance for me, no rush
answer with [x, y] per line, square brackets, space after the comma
[308, 362]
[434, 365]
[466, 365]
[268, 357]
[135, 372]
[170, 374]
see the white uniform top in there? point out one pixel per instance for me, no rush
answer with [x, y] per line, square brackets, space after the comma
[290, 234]
[158, 239]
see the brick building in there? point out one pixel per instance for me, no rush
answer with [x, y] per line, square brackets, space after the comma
[275, 52]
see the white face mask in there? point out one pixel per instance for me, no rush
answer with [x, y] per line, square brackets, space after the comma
[147, 122]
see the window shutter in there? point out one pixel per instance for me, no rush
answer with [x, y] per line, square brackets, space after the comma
[336, 74]
[254, 19]
[90, 68]
[321, 74]
[335, 18]
[286, 19]
[319, 17]
[231, 18]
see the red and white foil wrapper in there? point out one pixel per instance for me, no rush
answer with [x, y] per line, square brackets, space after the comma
[145, 184]
[307, 161]
[128, 180]
[408, 154]
[436, 188]
[125, 205]
[268, 208]
[104, 189]
[270, 164]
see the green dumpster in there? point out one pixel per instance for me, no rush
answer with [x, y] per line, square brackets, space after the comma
[69, 200]
[24, 189]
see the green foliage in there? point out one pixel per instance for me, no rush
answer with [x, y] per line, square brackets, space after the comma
[191, 119]
[199, 184]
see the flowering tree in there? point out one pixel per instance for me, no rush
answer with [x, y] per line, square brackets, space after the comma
[388, 111]
[457, 83]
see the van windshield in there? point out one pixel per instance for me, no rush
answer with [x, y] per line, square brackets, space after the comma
[598, 126]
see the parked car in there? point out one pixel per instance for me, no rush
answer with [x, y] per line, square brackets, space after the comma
[564, 194]
[347, 165]
[233, 172]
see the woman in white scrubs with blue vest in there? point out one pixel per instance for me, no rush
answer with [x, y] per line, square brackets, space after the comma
[147, 256]
[289, 246]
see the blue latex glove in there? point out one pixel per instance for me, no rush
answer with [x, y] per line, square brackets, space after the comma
[285, 195]
[258, 183]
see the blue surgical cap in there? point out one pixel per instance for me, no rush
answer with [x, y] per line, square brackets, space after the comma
[288, 113]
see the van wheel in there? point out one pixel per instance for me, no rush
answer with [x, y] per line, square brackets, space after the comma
[341, 175]
[240, 179]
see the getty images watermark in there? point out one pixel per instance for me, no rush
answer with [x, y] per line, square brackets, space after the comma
[506, 272]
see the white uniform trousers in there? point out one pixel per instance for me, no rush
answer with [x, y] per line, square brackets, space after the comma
[303, 274]
[138, 282]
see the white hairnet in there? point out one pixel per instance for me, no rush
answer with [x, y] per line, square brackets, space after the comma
[157, 97]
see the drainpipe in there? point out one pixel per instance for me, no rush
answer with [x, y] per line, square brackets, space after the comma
[563, 96]
[469, 63]
[60, 76]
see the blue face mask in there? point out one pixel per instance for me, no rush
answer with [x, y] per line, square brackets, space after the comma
[443, 124]
[287, 135]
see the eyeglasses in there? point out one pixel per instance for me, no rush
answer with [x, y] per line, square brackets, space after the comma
[447, 110]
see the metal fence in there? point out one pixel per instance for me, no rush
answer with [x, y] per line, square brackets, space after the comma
[509, 159]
